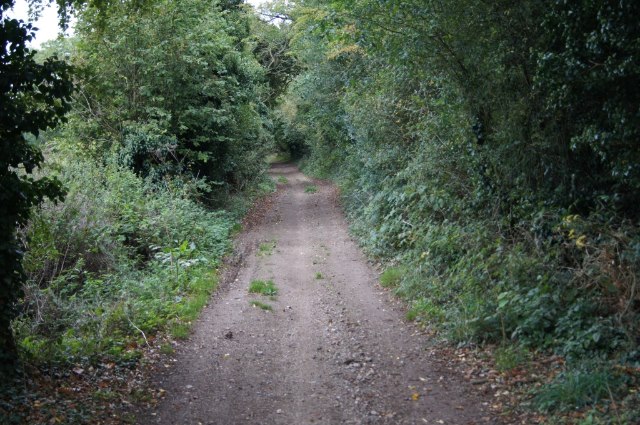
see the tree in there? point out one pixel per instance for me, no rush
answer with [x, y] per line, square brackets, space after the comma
[273, 51]
[590, 75]
[33, 97]
[173, 90]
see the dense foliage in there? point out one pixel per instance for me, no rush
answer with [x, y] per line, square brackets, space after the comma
[168, 123]
[33, 97]
[174, 86]
[117, 261]
[487, 153]
[490, 150]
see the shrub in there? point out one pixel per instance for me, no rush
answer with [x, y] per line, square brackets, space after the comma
[496, 169]
[122, 257]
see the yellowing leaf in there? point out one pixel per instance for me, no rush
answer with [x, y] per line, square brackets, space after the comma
[415, 396]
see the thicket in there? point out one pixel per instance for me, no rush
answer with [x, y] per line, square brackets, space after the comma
[491, 150]
[33, 97]
[163, 148]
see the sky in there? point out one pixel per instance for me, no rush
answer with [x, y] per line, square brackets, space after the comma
[48, 23]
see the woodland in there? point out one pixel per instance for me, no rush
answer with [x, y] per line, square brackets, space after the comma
[487, 155]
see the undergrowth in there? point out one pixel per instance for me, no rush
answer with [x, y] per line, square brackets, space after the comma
[561, 283]
[505, 188]
[532, 276]
[121, 262]
[391, 277]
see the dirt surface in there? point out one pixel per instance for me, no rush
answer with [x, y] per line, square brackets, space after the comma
[334, 349]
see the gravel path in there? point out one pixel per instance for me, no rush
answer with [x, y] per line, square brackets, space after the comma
[334, 349]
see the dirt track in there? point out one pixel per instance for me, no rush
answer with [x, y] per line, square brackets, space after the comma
[334, 350]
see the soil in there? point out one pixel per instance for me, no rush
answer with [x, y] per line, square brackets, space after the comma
[335, 349]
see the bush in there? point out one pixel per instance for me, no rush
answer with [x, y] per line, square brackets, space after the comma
[121, 258]
[488, 149]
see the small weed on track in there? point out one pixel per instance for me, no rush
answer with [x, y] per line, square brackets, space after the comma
[263, 287]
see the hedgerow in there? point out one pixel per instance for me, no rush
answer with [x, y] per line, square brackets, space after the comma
[472, 153]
